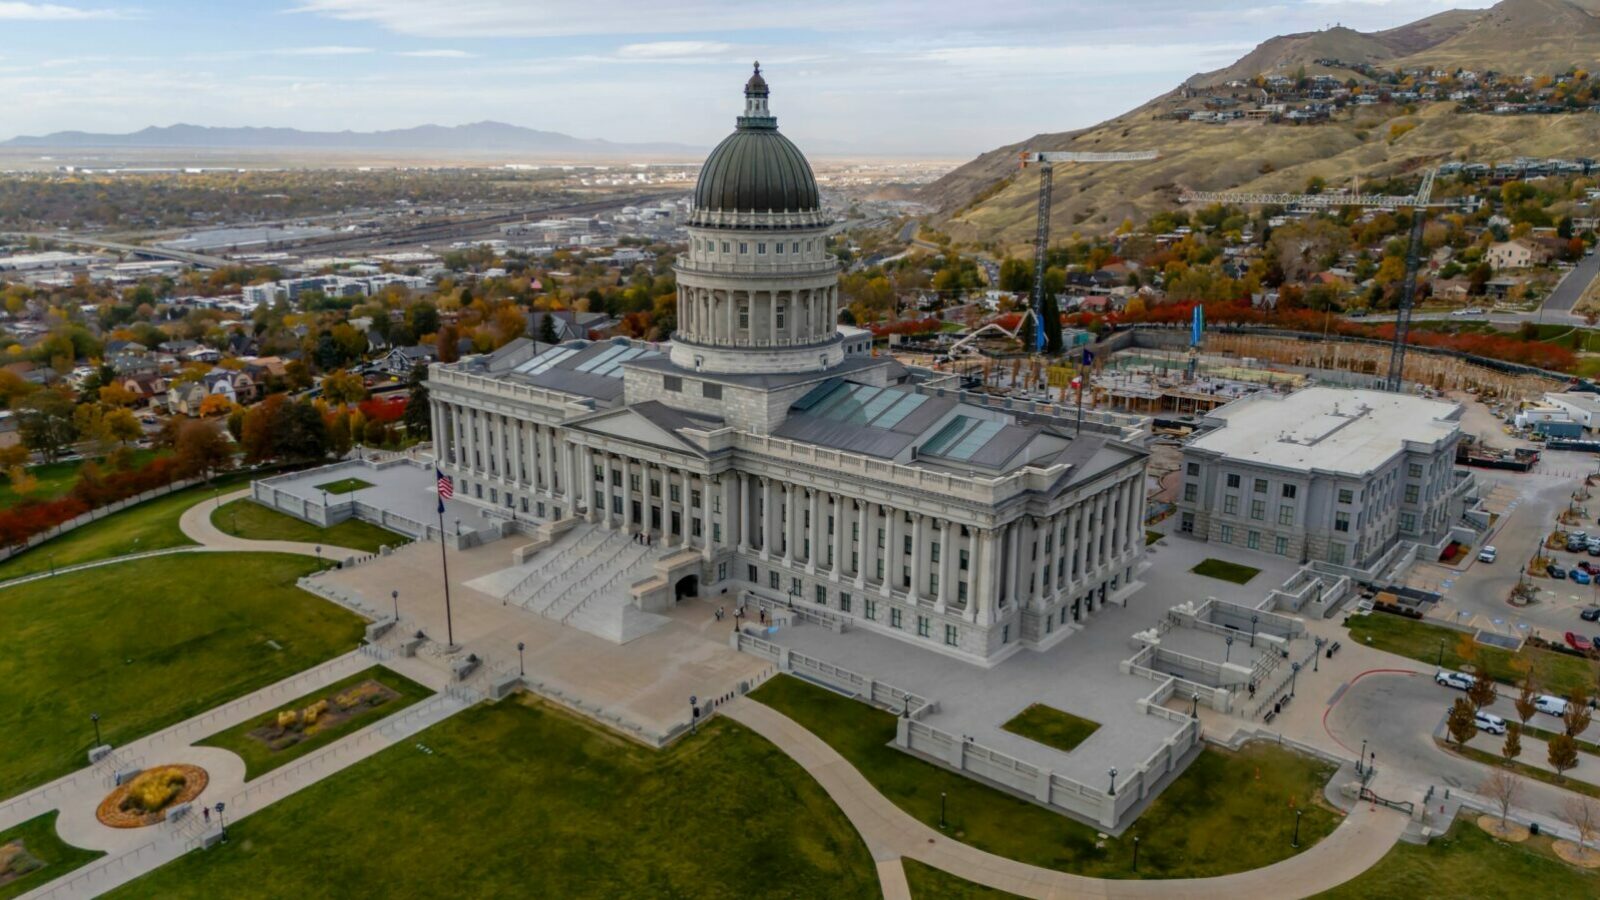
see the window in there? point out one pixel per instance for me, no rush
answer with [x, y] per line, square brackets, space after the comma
[794, 586]
[880, 538]
[716, 532]
[961, 591]
[1346, 495]
[722, 571]
[934, 552]
[1225, 534]
[894, 618]
[1230, 505]
[907, 543]
[923, 625]
[794, 247]
[951, 636]
[1252, 539]
[844, 603]
[1005, 634]
[744, 316]
[744, 247]
[1285, 515]
[963, 560]
[1280, 545]
[1408, 522]
[778, 321]
[1414, 470]
[822, 595]
[933, 583]
[1341, 522]
[672, 383]
[1261, 486]
[1190, 491]
[1233, 481]
[1289, 491]
[779, 247]
[1258, 509]
[1336, 554]
[869, 608]
[773, 579]
[1411, 493]
[724, 246]
[674, 491]
[1192, 469]
[755, 578]
[761, 248]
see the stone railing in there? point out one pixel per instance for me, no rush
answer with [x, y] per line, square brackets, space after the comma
[877, 693]
[444, 375]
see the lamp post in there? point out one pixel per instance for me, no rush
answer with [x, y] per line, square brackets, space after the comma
[941, 810]
[1194, 705]
[1229, 654]
[95, 718]
[319, 556]
[1440, 664]
[1294, 674]
[1363, 756]
[694, 714]
[521, 672]
[1318, 657]
[1136, 853]
[221, 823]
[395, 595]
[1253, 620]
[1296, 842]
[1113, 773]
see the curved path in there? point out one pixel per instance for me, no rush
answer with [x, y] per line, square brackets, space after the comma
[197, 526]
[1355, 846]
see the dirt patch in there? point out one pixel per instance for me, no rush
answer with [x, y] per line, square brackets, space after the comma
[1588, 857]
[16, 861]
[291, 726]
[1510, 832]
[145, 799]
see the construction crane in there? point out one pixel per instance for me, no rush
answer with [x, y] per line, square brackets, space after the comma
[1418, 202]
[1046, 161]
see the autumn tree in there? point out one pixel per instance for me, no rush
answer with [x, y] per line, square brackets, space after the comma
[201, 449]
[215, 405]
[1462, 724]
[1577, 716]
[418, 417]
[1512, 748]
[44, 421]
[342, 387]
[121, 424]
[1563, 754]
[1481, 693]
[1526, 703]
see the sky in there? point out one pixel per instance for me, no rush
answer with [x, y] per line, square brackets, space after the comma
[948, 78]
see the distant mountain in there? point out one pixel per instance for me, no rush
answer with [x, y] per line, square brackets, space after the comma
[479, 137]
[986, 200]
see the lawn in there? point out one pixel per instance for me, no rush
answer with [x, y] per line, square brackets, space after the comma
[344, 486]
[249, 519]
[928, 883]
[1556, 673]
[56, 479]
[146, 644]
[1466, 862]
[1150, 536]
[518, 799]
[260, 759]
[1227, 571]
[152, 525]
[39, 840]
[1051, 727]
[1228, 812]
[1525, 769]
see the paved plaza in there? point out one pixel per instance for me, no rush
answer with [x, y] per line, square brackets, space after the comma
[401, 485]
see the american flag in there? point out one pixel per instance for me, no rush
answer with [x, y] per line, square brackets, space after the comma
[447, 488]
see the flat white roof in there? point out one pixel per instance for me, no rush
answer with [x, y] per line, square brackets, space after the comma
[1333, 429]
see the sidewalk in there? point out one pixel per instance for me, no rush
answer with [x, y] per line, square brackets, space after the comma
[1364, 837]
[196, 524]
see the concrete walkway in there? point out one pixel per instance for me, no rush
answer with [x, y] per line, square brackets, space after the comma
[196, 525]
[1355, 846]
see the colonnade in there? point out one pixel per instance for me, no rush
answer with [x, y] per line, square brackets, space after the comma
[735, 318]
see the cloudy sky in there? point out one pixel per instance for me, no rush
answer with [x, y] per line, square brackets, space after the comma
[938, 77]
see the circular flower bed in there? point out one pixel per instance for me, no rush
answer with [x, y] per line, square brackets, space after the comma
[145, 799]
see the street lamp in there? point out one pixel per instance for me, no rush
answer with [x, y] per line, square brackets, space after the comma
[1253, 619]
[520, 671]
[95, 718]
[1296, 842]
[1194, 706]
[1362, 756]
[1136, 853]
[1229, 654]
[319, 555]
[395, 595]
[941, 810]
[1113, 773]
[694, 714]
[1294, 674]
[1318, 657]
[221, 823]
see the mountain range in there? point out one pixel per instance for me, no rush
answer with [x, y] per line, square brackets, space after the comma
[984, 201]
[478, 137]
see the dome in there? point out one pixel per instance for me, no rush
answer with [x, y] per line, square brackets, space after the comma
[756, 169]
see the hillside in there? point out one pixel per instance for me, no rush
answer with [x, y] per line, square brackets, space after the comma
[985, 200]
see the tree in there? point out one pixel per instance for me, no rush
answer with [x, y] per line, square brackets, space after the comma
[1577, 716]
[1052, 325]
[340, 387]
[446, 344]
[1526, 705]
[339, 433]
[1481, 693]
[1462, 723]
[201, 449]
[1015, 275]
[121, 424]
[45, 423]
[547, 329]
[1503, 788]
[418, 417]
[215, 405]
[1584, 816]
[1563, 754]
[1512, 748]
[116, 395]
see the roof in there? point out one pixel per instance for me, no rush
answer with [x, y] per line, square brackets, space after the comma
[756, 169]
[1324, 428]
[585, 368]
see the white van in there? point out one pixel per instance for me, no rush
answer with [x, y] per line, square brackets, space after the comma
[1555, 706]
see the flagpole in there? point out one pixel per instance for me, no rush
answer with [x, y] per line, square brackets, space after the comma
[444, 563]
[1080, 400]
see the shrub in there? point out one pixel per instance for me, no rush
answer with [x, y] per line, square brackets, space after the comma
[150, 791]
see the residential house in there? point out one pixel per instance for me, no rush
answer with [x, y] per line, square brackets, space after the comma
[1518, 254]
[401, 360]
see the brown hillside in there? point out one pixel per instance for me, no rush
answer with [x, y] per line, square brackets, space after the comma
[1520, 36]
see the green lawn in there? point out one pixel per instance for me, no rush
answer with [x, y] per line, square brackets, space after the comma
[344, 486]
[38, 836]
[249, 519]
[56, 479]
[1151, 536]
[1227, 571]
[260, 759]
[146, 644]
[518, 800]
[1228, 812]
[1556, 673]
[152, 525]
[1467, 862]
[928, 883]
[1522, 766]
[1051, 727]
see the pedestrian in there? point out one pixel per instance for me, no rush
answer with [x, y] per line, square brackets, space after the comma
[206, 811]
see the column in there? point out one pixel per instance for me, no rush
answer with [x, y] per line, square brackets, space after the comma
[1013, 534]
[1102, 527]
[686, 521]
[918, 579]
[608, 478]
[791, 523]
[817, 532]
[980, 608]
[839, 525]
[768, 522]
[744, 512]
[861, 544]
[949, 535]
[891, 549]
[1080, 542]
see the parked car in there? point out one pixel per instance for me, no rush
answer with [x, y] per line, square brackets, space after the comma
[1555, 571]
[1590, 614]
[1459, 680]
[1578, 642]
[1555, 706]
[1490, 722]
[1579, 575]
[1591, 568]
[1487, 555]
[1593, 546]
[1576, 544]
[1582, 536]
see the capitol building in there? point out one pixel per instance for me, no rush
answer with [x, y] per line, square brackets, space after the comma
[772, 457]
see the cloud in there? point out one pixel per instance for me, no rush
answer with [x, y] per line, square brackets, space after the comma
[438, 54]
[328, 50]
[52, 12]
[673, 49]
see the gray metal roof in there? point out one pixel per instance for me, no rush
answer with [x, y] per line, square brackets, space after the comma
[585, 368]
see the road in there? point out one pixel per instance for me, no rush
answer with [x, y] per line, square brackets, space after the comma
[200, 260]
[1573, 285]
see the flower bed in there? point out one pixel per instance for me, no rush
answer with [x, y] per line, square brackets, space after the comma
[145, 799]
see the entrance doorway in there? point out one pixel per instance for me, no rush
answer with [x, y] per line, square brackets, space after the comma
[687, 586]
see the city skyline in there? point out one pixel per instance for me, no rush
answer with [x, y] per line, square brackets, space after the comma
[893, 78]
